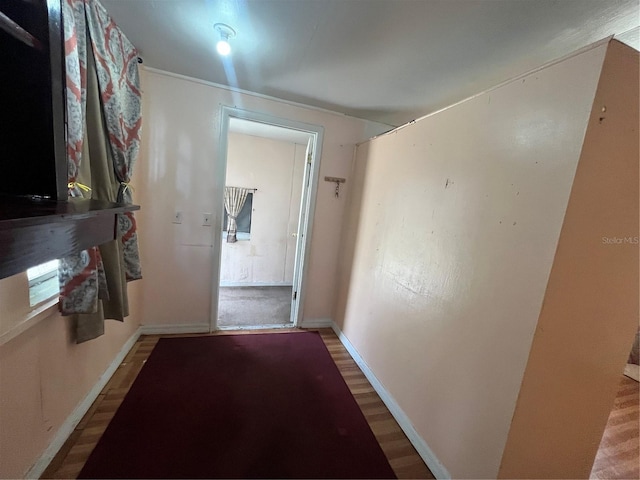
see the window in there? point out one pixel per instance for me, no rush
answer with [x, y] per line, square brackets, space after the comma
[43, 282]
[243, 220]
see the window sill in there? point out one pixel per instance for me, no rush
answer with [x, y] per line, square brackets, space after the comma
[32, 233]
[45, 310]
[240, 237]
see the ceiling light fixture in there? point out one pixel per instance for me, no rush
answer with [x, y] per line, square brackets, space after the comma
[226, 32]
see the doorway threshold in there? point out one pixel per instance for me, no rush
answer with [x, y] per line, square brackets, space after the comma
[255, 327]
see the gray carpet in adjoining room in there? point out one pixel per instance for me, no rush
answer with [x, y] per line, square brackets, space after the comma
[254, 306]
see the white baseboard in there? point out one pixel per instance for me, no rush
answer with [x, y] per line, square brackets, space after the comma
[436, 467]
[174, 328]
[72, 420]
[255, 284]
[316, 323]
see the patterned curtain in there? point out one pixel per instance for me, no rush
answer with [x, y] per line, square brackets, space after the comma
[234, 198]
[117, 65]
[82, 277]
[79, 274]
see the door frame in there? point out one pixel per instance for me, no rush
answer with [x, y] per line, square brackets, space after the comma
[303, 241]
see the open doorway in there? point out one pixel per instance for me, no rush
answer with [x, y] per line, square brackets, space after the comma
[269, 182]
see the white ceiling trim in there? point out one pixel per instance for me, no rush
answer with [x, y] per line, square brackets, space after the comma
[158, 71]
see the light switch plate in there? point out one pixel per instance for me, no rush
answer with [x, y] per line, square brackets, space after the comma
[206, 219]
[177, 217]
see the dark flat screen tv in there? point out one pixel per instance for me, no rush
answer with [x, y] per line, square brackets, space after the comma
[32, 100]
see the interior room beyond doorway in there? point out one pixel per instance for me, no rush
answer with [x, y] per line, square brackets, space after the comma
[257, 270]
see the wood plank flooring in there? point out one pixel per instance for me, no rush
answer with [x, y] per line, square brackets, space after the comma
[404, 459]
[619, 454]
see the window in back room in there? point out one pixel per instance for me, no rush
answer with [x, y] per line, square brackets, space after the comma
[244, 219]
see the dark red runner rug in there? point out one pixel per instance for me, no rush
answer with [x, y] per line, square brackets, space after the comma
[239, 406]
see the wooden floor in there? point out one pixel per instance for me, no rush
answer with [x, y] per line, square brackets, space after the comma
[618, 456]
[404, 459]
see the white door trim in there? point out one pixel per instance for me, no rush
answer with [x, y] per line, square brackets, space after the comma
[304, 240]
[298, 267]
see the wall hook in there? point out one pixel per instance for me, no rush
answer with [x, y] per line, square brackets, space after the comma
[337, 181]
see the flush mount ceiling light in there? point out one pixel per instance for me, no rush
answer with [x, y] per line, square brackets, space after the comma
[226, 32]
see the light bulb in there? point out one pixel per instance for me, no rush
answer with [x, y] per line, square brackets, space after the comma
[226, 32]
[223, 48]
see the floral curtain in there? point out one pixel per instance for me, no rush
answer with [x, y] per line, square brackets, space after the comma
[117, 65]
[90, 31]
[234, 198]
[79, 273]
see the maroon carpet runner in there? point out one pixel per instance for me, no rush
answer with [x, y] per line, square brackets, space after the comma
[239, 406]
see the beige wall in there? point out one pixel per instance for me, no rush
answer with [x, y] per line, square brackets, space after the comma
[14, 304]
[590, 310]
[452, 229]
[176, 171]
[276, 169]
[44, 375]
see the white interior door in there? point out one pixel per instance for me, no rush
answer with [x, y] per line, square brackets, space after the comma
[302, 229]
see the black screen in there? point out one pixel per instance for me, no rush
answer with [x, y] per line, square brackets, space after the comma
[31, 99]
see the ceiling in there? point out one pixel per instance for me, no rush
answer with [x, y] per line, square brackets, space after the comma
[385, 60]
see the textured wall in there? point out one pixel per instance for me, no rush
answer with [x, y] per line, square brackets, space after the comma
[590, 310]
[451, 234]
[44, 375]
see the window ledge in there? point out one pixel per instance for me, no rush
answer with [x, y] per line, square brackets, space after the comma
[240, 237]
[32, 232]
[45, 310]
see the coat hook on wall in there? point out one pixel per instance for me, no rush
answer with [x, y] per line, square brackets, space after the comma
[337, 181]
